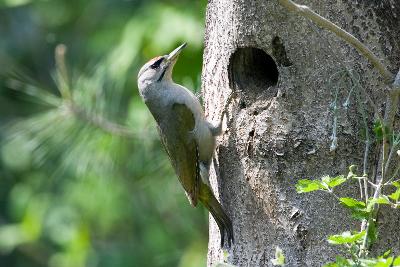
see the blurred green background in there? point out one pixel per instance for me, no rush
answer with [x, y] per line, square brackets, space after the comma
[84, 180]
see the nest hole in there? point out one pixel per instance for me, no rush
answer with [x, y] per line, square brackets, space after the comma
[253, 72]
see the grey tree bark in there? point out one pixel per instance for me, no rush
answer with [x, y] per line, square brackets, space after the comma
[280, 125]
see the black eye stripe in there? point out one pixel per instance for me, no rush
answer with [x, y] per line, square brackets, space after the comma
[157, 63]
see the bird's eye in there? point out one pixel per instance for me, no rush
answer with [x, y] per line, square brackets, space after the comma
[156, 64]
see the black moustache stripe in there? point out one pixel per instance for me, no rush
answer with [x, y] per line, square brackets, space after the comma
[162, 75]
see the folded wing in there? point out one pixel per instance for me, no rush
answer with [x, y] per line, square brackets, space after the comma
[177, 136]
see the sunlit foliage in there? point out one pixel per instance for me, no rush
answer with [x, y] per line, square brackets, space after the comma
[83, 178]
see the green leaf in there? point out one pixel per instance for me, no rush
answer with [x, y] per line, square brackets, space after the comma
[345, 238]
[378, 130]
[396, 184]
[279, 257]
[340, 262]
[338, 180]
[351, 202]
[383, 200]
[305, 186]
[379, 262]
[358, 209]
[328, 181]
[396, 195]
[380, 200]
[396, 262]
[387, 254]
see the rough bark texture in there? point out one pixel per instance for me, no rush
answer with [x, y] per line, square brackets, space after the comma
[280, 125]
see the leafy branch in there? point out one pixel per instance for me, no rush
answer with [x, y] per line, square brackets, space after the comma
[66, 93]
[356, 242]
[366, 210]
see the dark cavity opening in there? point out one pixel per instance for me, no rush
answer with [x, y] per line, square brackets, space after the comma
[253, 72]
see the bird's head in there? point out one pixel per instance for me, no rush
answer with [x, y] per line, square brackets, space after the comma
[158, 69]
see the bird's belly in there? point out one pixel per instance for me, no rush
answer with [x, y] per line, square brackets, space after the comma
[206, 143]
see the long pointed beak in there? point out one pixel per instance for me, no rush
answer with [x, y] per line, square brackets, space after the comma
[174, 54]
[170, 62]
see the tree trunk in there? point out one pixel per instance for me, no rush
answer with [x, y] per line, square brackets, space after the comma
[280, 125]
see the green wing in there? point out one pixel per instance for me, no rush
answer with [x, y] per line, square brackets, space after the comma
[178, 140]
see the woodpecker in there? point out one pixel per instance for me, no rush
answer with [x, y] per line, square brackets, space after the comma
[187, 136]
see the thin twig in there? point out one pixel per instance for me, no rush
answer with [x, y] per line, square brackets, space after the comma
[62, 73]
[396, 83]
[391, 180]
[80, 113]
[391, 109]
[377, 194]
[334, 106]
[387, 128]
[356, 84]
[392, 103]
[391, 153]
[101, 122]
[372, 184]
[371, 220]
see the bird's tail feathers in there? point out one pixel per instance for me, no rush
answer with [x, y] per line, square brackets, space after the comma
[221, 218]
